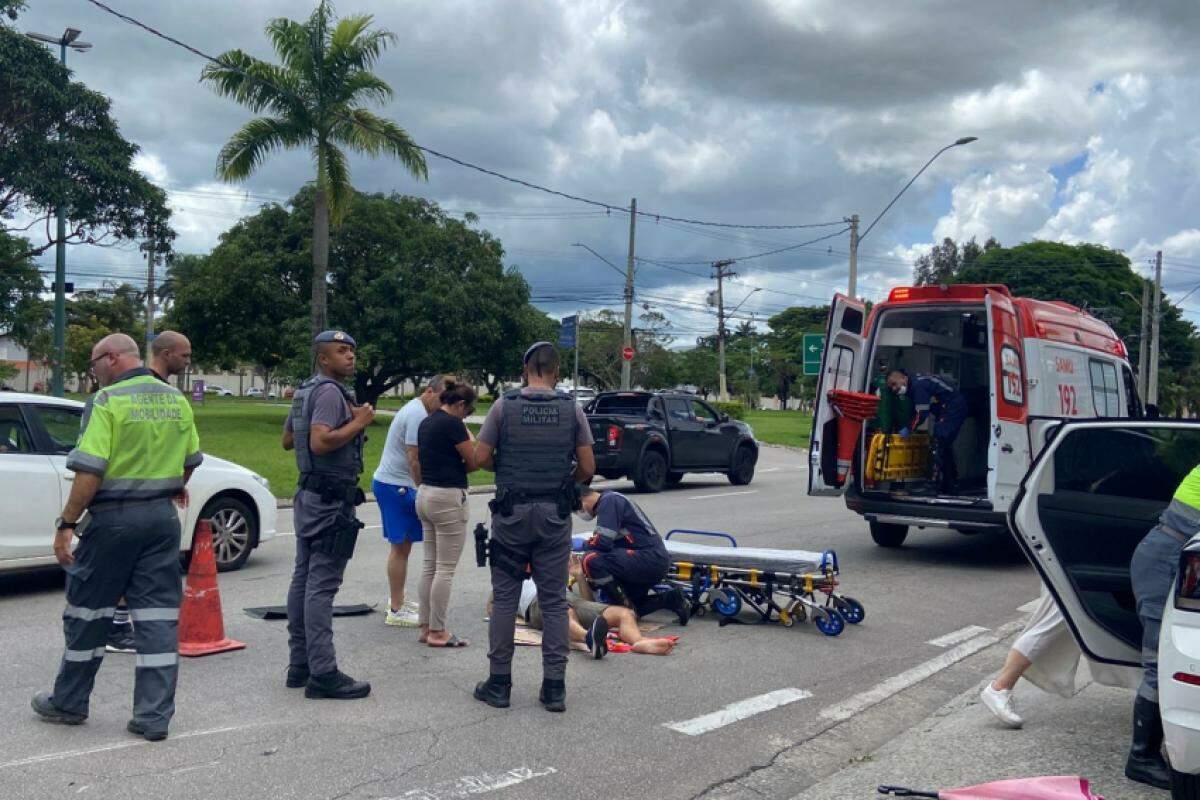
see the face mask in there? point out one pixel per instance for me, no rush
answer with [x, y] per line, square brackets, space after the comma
[585, 515]
[903, 390]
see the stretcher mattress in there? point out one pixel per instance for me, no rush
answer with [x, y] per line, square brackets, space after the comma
[787, 561]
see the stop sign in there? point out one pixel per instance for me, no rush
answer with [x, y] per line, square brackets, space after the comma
[627, 354]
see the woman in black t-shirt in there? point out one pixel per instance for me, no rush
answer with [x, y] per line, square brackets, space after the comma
[446, 451]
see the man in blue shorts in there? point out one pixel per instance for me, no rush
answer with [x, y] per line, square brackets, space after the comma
[395, 488]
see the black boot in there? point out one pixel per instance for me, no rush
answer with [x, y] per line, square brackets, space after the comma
[554, 694]
[336, 685]
[297, 676]
[1146, 764]
[495, 691]
[677, 602]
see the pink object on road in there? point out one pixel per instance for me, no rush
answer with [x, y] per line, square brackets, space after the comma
[1057, 787]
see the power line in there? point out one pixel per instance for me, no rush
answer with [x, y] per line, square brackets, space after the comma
[453, 159]
[737, 259]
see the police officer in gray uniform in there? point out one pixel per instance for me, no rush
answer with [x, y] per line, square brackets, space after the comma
[325, 427]
[538, 442]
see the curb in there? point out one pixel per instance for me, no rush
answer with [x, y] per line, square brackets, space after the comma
[488, 488]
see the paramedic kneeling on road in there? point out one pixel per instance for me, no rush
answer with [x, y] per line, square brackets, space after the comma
[626, 553]
[1152, 572]
[933, 397]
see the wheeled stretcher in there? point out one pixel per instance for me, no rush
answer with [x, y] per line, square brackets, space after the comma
[780, 585]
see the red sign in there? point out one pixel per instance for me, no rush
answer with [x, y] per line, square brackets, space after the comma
[627, 354]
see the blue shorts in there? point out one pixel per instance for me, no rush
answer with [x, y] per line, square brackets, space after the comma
[398, 507]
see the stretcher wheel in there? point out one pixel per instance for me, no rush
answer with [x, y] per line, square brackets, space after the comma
[851, 610]
[786, 619]
[727, 603]
[829, 621]
[798, 612]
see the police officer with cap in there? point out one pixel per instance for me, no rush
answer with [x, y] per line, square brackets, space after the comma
[325, 427]
[538, 442]
[136, 450]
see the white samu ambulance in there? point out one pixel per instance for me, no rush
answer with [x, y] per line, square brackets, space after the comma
[1022, 365]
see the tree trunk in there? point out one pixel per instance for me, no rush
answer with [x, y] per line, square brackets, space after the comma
[320, 260]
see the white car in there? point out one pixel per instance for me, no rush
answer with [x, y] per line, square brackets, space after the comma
[584, 395]
[1091, 496]
[37, 432]
[258, 392]
[219, 391]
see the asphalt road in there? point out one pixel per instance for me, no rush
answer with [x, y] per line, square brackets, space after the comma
[239, 733]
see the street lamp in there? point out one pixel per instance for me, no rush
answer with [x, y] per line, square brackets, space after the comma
[856, 237]
[723, 315]
[69, 38]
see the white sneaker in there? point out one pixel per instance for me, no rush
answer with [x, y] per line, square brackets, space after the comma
[406, 617]
[1000, 703]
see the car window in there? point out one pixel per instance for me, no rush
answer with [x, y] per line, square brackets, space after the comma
[703, 412]
[841, 362]
[1106, 393]
[14, 435]
[678, 409]
[1138, 463]
[631, 404]
[62, 424]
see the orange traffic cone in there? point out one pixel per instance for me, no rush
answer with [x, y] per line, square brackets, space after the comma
[201, 627]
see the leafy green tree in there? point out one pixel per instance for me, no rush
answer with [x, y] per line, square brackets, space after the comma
[314, 98]
[22, 311]
[944, 261]
[95, 313]
[60, 147]
[785, 348]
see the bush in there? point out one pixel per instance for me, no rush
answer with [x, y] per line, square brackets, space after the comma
[734, 410]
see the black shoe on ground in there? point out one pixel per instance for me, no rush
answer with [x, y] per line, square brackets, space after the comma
[553, 695]
[137, 729]
[495, 691]
[1145, 763]
[677, 602]
[43, 704]
[120, 639]
[597, 638]
[336, 686]
[297, 677]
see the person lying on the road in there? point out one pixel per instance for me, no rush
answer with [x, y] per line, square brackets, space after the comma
[620, 618]
[626, 556]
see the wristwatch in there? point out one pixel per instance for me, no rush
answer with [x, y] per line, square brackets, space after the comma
[61, 524]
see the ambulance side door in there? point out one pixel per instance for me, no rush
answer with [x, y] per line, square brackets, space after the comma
[1090, 497]
[1008, 439]
[841, 368]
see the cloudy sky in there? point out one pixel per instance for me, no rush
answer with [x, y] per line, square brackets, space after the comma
[760, 112]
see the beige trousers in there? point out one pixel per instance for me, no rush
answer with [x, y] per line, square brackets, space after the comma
[444, 514]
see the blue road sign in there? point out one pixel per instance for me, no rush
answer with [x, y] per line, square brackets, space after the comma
[567, 330]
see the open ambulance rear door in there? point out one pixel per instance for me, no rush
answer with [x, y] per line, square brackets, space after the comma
[841, 368]
[1090, 497]
[1008, 442]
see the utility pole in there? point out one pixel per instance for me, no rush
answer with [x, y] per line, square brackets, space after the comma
[578, 344]
[1155, 324]
[149, 298]
[723, 272]
[70, 38]
[852, 288]
[626, 365]
[1144, 342]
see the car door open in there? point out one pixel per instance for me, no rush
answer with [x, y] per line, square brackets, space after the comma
[841, 368]
[1095, 491]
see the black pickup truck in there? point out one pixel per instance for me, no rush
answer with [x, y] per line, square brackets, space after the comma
[657, 437]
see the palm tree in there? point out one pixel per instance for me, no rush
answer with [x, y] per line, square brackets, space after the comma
[314, 100]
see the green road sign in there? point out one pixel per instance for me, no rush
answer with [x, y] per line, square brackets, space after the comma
[814, 346]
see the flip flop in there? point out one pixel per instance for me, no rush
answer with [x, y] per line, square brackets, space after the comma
[453, 641]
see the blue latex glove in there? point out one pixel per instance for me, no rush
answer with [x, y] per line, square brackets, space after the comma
[903, 433]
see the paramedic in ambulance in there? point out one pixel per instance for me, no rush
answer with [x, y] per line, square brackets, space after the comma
[934, 398]
[626, 554]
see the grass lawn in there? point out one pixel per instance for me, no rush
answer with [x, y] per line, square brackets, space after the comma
[248, 433]
[791, 428]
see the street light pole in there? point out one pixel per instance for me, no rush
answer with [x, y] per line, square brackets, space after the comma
[68, 39]
[856, 237]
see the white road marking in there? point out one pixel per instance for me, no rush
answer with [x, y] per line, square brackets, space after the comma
[24, 762]
[958, 636]
[738, 711]
[469, 785]
[839, 712]
[722, 494]
[1030, 606]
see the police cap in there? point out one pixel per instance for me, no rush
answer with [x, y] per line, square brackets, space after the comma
[533, 348]
[335, 337]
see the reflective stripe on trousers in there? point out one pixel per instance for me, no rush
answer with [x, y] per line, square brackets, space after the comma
[133, 552]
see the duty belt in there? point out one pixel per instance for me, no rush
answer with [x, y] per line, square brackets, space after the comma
[331, 488]
[1180, 536]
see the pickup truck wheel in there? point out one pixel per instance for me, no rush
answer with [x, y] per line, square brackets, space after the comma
[888, 534]
[651, 473]
[744, 460]
[673, 478]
